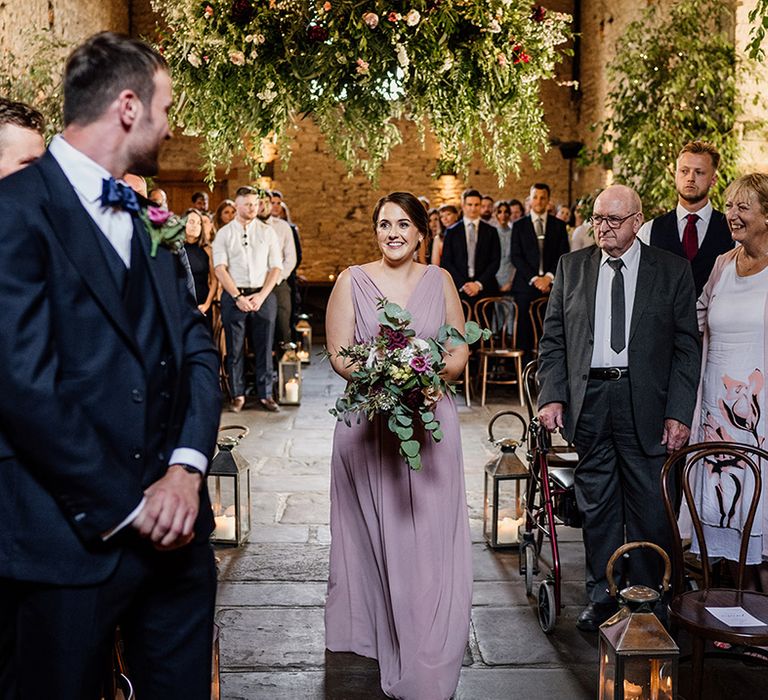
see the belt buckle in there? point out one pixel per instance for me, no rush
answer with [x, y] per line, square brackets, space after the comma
[614, 374]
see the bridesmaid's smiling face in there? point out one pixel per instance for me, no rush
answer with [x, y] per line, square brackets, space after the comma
[396, 234]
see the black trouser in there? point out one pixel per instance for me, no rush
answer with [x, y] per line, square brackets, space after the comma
[617, 489]
[525, 336]
[162, 601]
[283, 295]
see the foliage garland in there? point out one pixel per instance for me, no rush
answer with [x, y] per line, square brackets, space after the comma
[758, 16]
[470, 70]
[674, 78]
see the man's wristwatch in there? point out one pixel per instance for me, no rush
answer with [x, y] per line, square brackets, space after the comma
[239, 294]
[189, 468]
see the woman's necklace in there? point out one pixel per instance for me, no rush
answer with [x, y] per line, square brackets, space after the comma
[747, 264]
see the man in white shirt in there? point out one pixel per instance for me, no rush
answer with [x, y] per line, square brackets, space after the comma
[618, 372]
[248, 262]
[21, 136]
[110, 407]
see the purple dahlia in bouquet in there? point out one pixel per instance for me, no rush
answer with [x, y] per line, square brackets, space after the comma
[398, 375]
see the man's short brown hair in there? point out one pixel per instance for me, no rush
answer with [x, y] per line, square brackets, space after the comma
[699, 147]
[20, 114]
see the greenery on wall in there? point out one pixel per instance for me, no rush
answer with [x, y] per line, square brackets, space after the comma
[470, 71]
[758, 16]
[673, 80]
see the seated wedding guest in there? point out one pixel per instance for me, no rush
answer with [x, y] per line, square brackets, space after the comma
[200, 263]
[517, 210]
[538, 241]
[225, 212]
[471, 251]
[732, 311]
[248, 262]
[486, 208]
[200, 201]
[400, 580]
[449, 215]
[502, 213]
[282, 290]
[158, 197]
[21, 136]
[693, 230]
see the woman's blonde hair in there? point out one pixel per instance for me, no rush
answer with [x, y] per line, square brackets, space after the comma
[753, 184]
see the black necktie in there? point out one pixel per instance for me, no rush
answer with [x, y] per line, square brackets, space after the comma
[618, 341]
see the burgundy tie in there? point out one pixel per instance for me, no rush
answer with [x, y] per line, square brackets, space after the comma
[691, 237]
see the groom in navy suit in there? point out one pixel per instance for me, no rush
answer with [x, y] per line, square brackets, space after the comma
[109, 409]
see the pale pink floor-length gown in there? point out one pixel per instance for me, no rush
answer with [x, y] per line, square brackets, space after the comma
[400, 585]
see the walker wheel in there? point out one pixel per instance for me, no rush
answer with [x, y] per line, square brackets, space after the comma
[547, 607]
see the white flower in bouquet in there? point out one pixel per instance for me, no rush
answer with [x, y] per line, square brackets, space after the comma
[412, 18]
[375, 357]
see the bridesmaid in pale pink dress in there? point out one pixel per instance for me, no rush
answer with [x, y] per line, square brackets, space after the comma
[400, 585]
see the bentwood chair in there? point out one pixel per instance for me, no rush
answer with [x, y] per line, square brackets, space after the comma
[537, 310]
[467, 308]
[689, 610]
[500, 315]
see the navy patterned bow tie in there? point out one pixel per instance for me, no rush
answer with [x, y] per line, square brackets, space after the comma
[116, 194]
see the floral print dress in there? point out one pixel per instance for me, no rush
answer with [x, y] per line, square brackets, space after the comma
[733, 409]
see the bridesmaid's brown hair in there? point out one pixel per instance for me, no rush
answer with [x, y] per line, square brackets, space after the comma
[411, 205]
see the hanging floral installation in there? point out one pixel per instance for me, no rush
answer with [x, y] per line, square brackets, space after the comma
[469, 71]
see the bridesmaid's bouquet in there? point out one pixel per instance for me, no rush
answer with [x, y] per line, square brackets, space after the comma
[397, 375]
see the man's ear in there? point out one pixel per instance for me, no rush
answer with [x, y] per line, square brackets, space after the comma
[128, 107]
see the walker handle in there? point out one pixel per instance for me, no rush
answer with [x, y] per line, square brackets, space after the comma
[613, 588]
[506, 413]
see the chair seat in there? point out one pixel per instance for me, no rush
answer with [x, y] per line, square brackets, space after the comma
[558, 457]
[689, 611]
[562, 476]
[500, 352]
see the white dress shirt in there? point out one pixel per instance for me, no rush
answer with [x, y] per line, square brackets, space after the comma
[543, 218]
[287, 246]
[602, 353]
[249, 253]
[86, 176]
[471, 253]
[702, 223]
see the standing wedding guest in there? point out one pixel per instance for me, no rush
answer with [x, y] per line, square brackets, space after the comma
[618, 372]
[693, 230]
[486, 208]
[538, 241]
[280, 209]
[436, 231]
[200, 201]
[248, 262]
[282, 290]
[110, 406]
[158, 197]
[400, 583]
[471, 251]
[506, 271]
[225, 212]
[517, 210]
[733, 316]
[449, 215]
[200, 263]
[208, 232]
[21, 136]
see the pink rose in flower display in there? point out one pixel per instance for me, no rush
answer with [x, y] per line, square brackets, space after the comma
[420, 364]
[158, 216]
[371, 19]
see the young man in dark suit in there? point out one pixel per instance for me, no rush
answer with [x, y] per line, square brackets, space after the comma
[693, 230]
[538, 241]
[471, 251]
[618, 369]
[110, 406]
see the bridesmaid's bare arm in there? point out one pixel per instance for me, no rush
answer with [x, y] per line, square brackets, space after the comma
[340, 323]
[457, 357]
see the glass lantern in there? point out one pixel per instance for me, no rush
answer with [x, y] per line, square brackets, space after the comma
[638, 658]
[229, 486]
[506, 480]
[289, 376]
[304, 336]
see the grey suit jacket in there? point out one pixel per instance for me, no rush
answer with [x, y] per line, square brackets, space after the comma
[664, 344]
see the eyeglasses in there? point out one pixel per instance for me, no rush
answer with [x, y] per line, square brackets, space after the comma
[613, 221]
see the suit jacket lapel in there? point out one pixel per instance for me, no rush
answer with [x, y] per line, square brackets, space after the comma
[591, 271]
[164, 283]
[646, 275]
[77, 232]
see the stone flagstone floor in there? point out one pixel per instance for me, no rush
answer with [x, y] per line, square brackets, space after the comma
[271, 591]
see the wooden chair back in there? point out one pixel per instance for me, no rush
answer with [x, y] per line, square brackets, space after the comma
[685, 461]
[530, 387]
[537, 310]
[500, 315]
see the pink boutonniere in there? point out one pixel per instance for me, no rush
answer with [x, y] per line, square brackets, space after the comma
[164, 227]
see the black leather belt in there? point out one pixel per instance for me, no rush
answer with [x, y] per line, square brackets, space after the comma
[247, 291]
[609, 373]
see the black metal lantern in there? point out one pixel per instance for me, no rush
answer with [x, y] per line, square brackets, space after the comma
[304, 336]
[638, 658]
[506, 480]
[229, 485]
[289, 376]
